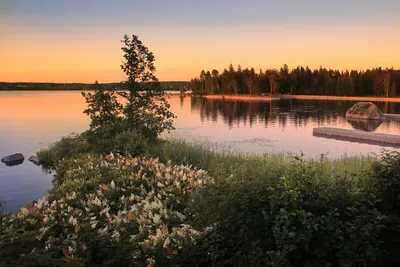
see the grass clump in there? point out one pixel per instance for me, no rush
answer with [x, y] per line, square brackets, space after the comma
[227, 165]
[66, 147]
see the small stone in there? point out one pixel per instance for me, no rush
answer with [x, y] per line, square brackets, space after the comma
[35, 160]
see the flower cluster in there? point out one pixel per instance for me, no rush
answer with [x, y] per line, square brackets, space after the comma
[138, 202]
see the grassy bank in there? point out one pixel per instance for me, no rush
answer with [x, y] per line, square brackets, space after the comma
[180, 204]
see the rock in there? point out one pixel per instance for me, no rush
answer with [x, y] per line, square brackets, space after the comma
[364, 111]
[35, 160]
[14, 159]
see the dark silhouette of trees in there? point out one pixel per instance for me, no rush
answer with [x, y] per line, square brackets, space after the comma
[298, 81]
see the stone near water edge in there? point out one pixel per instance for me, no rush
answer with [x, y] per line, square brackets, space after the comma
[14, 159]
[364, 111]
[35, 160]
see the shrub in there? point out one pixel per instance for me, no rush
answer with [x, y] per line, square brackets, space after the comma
[386, 181]
[108, 211]
[300, 218]
[130, 143]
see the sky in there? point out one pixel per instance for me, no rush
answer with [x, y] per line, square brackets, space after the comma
[79, 40]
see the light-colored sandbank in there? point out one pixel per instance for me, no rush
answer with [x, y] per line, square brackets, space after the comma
[344, 98]
[358, 136]
[310, 97]
[243, 97]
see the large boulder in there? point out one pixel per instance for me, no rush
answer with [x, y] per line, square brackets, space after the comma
[364, 111]
[14, 159]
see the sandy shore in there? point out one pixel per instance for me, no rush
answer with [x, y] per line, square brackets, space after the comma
[348, 98]
[243, 97]
[310, 97]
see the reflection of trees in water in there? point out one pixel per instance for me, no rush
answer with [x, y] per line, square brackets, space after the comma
[365, 125]
[298, 113]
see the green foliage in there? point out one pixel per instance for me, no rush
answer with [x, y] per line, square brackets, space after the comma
[143, 108]
[146, 110]
[298, 218]
[68, 146]
[103, 107]
[130, 143]
[386, 180]
[322, 81]
[271, 210]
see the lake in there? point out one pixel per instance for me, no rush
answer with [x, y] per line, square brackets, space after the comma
[30, 121]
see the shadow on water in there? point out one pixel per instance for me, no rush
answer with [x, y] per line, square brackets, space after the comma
[14, 162]
[365, 125]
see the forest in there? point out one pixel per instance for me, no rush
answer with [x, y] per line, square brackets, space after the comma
[298, 81]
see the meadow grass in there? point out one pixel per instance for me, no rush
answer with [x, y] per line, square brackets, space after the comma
[228, 164]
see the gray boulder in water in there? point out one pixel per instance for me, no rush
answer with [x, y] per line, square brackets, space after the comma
[364, 111]
[35, 160]
[14, 159]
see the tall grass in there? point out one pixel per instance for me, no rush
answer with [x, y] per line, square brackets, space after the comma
[228, 165]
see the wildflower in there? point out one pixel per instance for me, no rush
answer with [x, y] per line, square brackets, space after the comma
[115, 235]
[72, 220]
[103, 231]
[24, 211]
[150, 262]
[166, 242]
[157, 218]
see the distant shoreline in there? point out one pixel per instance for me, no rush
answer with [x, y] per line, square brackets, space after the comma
[305, 97]
[348, 98]
[243, 97]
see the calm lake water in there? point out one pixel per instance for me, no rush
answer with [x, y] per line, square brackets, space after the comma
[30, 121]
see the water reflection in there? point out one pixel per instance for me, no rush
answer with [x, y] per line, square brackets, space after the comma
[365, 125]
[296, 113]
[14, 162]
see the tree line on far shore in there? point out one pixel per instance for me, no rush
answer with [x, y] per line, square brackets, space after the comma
[298, 81]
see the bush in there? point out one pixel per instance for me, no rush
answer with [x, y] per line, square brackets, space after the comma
[386, 181]
[68, 146]
[130, 143]
[108, 211]
[300, 218]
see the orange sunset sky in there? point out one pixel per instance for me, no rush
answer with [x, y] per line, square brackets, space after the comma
[79, 41]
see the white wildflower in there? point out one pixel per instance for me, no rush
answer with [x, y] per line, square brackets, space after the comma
[157, 218]
[115, 235]
[112, 184]
[24, 211]
[166, 242]
[72, 220]
[103, 231]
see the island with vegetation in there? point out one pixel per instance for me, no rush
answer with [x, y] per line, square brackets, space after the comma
[125, 197]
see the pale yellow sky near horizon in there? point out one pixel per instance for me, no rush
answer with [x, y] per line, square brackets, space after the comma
[87, 52]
